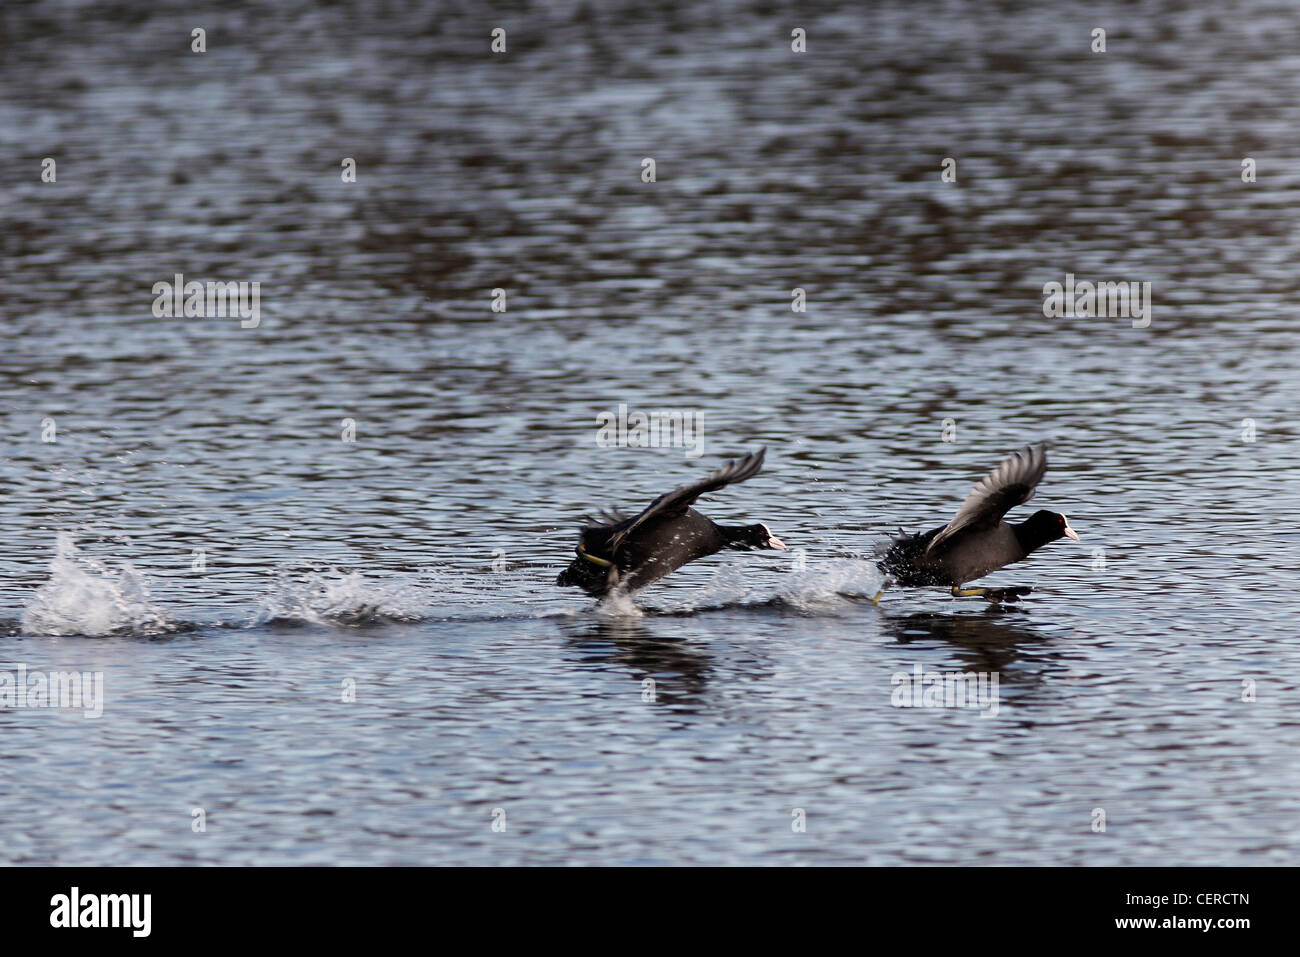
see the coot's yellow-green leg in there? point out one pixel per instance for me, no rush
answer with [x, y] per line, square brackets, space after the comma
[883, 585]
[1011, 593]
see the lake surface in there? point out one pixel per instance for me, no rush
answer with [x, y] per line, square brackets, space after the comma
[199, 532]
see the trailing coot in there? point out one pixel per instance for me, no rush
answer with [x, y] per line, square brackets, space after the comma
[630, 553]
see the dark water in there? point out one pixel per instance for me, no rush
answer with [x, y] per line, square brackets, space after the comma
[417, 563]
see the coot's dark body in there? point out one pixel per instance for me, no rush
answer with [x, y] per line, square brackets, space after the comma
[630, 553]
[908, 562]
[977, 541]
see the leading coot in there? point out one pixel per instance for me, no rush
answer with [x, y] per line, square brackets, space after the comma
[977, 541]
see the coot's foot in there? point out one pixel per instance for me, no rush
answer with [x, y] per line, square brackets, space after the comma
[1010, 594]
[883, 585]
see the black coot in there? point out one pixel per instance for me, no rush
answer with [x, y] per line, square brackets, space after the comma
[630, 553]
[977, 541]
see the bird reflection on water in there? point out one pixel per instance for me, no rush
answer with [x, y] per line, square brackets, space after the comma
[680, 669]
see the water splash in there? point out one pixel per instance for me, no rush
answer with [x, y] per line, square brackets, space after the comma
[729, 587]
[334, 597]
[822, 588]
[85, 597]
[618, 604]
[826, 585]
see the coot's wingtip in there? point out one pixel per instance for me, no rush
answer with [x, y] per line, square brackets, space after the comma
[1035, 450]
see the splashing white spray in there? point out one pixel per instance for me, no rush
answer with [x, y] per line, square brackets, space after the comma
[83, 597]
[320, 598]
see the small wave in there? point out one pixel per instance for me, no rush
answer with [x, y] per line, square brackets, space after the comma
[618, 605]
[334, 597]
[829, 584]
[85, 597]
[823, 588]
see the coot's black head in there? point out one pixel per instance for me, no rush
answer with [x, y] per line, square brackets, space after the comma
[752, 537]
[1043, 527]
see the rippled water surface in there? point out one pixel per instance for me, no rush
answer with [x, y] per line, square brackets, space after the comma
[201, 534]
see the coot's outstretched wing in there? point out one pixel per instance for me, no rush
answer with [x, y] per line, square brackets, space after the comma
[596, 536]
[1010, 484]
[678, 501]
[604, 518]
